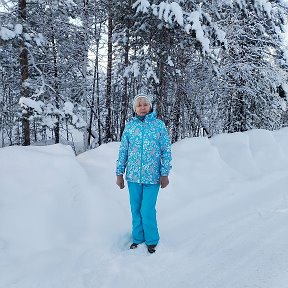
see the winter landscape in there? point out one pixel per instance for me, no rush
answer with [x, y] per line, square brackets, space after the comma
[222, 219]
[216, 74]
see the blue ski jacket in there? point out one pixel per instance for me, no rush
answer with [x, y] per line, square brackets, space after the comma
[145, 151]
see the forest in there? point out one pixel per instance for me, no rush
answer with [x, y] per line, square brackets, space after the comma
[73, 67]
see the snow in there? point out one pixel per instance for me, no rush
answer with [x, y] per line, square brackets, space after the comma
[222, 219]
[18, 29]
[150, 73]
[177, 11]
[68, 108]
[264, 5]
[167, 11]
[172, 12]
[170, 62]
[39, 39]
[27, 37]
[50, 121]
[242, 3]
[7, 34]
[134, 68]
[162, 7]
[142, 6]
[78, 122]
[195, 17]
[70, 3]
[221, 36]
[28, 102]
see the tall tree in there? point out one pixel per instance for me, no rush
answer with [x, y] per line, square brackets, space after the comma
[23, 59]
[108, 121]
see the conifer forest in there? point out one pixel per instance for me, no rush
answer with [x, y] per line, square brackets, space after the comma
[69, 69]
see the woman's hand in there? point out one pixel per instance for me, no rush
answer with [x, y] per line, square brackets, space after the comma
[164, 181]
[120, 181]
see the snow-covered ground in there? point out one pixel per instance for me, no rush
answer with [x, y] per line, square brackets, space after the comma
[222, 221]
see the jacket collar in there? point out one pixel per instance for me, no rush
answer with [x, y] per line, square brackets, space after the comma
[148, 117]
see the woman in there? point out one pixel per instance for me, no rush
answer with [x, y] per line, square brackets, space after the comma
[145, 156]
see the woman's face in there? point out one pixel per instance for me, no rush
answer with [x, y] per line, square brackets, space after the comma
[142, 107]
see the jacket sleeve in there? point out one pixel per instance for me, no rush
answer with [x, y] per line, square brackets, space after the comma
[123, 154]
[165, 146]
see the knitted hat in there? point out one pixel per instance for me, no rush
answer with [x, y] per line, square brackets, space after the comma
[141, 95]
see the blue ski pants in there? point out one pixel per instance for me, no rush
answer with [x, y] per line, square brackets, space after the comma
[143, 199]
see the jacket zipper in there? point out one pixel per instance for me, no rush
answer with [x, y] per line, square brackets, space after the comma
[141, 152]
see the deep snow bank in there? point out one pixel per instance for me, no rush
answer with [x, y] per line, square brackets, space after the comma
[42, 199]
[222, 220]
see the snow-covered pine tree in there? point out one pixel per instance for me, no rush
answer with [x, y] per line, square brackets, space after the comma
[163, 38]
[240, 92]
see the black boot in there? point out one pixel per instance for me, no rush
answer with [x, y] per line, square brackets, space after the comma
[151, 248]
[133, 246]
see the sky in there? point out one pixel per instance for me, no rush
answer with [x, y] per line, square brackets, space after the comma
[222, 220]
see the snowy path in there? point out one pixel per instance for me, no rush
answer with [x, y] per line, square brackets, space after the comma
[222, 221]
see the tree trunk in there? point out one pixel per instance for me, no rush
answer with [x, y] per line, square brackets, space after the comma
[162, 79]
[57, 98]
[84, 68]
[108, 122]
[191, 103]
[159, 99]
[23, 58]
[176, 117]
[98, 97]
[125, 100]
[95, 111]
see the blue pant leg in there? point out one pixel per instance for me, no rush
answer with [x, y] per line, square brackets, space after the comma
[148, 212]
[136, 194]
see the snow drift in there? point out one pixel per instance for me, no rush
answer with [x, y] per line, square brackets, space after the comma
[42, 198]
[222, 220]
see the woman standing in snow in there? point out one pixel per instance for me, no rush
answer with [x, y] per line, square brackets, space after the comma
[145, 155]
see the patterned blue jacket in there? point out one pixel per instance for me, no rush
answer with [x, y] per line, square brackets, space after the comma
[145, 151]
